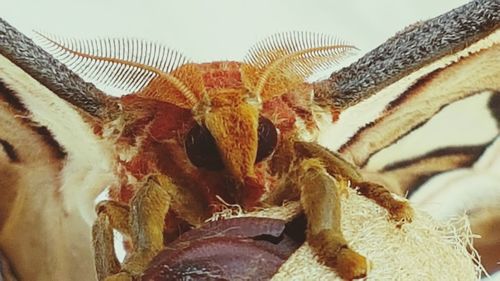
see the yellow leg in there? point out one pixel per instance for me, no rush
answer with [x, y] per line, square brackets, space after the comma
[399, 211]
[104, 252]
[333, 163]
[147, 214]
[321, 177]
[320, 199]
[117, 214]
[143, 222]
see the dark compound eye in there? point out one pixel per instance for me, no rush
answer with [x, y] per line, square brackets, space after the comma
[203, 153]
[268, 138]
[202, 150]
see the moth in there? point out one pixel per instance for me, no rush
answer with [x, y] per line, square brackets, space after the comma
[192, 132]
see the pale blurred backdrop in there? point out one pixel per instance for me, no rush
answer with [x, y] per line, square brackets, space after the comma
[221, 29]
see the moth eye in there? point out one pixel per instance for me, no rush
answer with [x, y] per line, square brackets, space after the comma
[202, 150]
[268, 138]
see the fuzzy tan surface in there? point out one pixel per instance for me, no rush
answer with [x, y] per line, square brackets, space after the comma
[423, 250]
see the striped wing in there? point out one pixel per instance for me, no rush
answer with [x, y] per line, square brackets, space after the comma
[431, 101]
[52, 165]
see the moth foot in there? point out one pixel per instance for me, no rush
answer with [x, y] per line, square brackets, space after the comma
[401, 212]
[351, 265]
[333, 251]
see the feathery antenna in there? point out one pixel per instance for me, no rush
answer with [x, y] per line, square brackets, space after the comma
[280, 62]
[126, 64]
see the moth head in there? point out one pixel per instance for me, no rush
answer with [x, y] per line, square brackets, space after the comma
[232, 137]
[233, 121]
[230, 132]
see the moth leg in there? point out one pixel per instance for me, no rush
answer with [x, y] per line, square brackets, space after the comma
[320, 199]
[340, 169]
[399, 211]
[143, 222]
[117, 215]
[147, 213]
[105, 259]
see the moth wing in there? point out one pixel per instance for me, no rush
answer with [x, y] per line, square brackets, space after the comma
[435, 136]
[53, 164]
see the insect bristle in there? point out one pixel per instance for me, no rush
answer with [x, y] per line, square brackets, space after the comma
[291, 57]
[298, 45]
[125, 64]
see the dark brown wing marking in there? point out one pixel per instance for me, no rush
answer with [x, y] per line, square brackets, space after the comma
[404, 177]
[494, 107]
